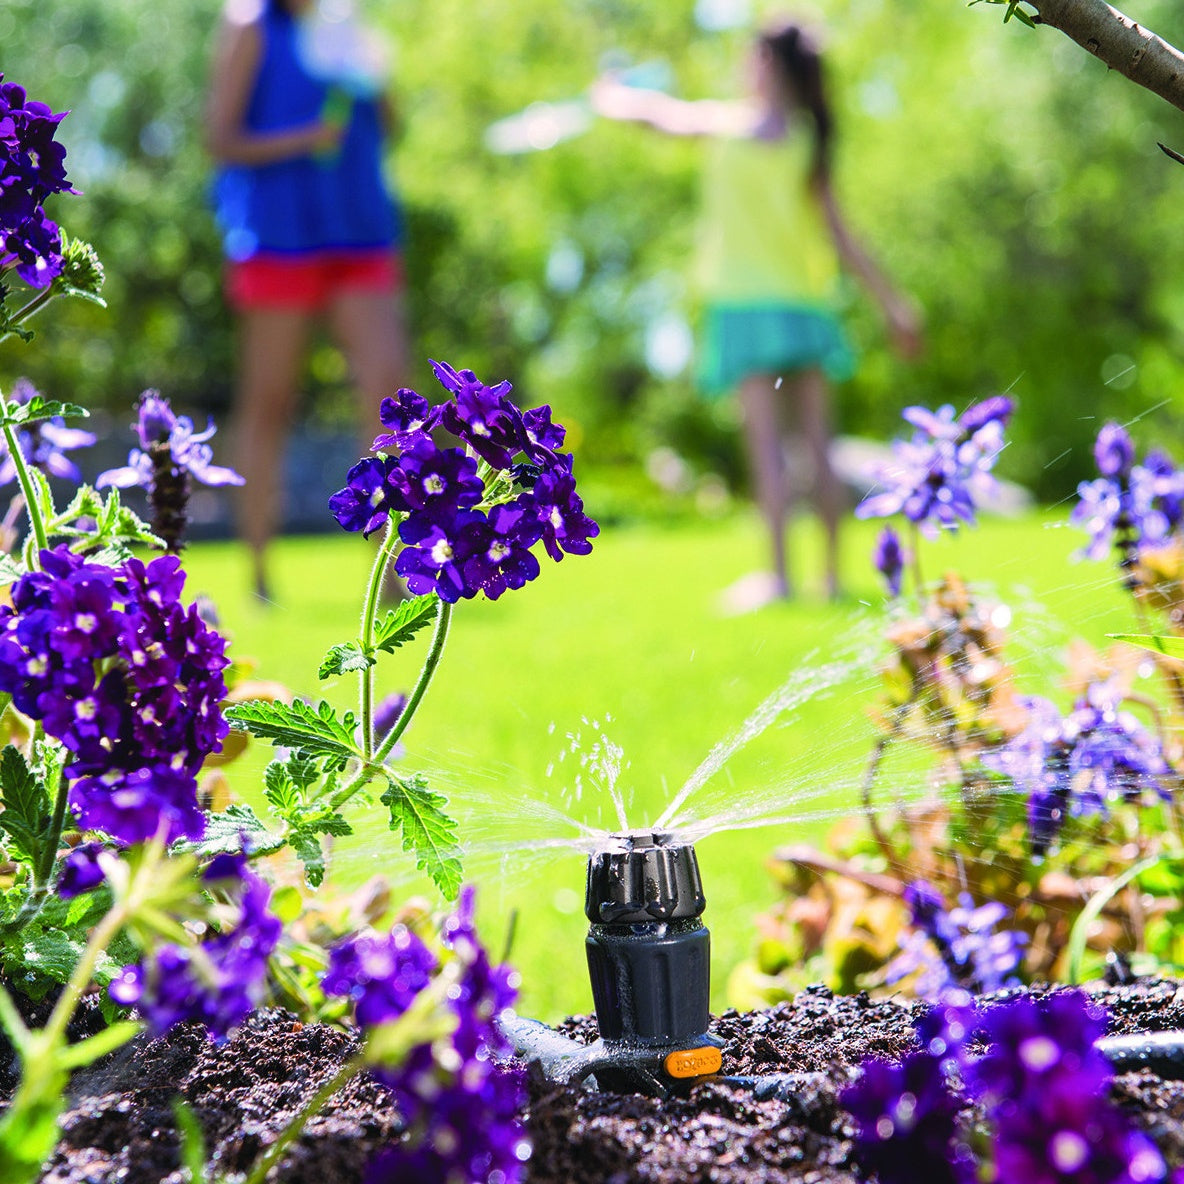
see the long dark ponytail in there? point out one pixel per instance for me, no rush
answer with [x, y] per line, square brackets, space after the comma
[799, 61]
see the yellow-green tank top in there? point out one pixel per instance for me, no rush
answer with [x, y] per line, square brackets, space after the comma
[763, 235]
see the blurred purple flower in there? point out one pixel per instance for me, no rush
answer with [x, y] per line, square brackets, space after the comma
[905, 1116]
[215, 983]
[127, 678]
[938, 474]
[970, 952]
[888, 558]
[170, 454]
[43, 444]
[1046, 1088]
[1081, 763]
[387, 713]
[461, 1107]
[80, 871]
[31, 169]
[1114, 452]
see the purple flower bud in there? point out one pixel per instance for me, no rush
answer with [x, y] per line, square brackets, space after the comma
[1114, 451]
[888, 558]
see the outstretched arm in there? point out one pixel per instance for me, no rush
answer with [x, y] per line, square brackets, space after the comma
[677, 117]
[904, 323]
[236, 61]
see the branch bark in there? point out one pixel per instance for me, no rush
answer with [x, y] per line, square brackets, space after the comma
[1123, 44]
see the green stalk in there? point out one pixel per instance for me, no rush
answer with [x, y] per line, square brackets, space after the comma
[366, 635]
[311, 1108]
[26, 311]
[373, 764]
[44, 868]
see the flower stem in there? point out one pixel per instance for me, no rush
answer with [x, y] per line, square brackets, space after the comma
[49, 854]
[366, 635]
[32, 508]
[373, 765]
[296, 1127]
[27, 310]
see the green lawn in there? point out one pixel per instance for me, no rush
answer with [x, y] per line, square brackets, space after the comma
[631, 640]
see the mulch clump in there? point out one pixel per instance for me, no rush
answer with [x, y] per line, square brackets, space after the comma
[120, 1123]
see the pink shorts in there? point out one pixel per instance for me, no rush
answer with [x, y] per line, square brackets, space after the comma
[310, 282]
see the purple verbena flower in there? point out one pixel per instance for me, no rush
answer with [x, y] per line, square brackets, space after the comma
[369, 498]
[434, 558]
[905, 1116]
[127, 678]
[461, 1107]
[170, 454]
[216, 982]
[44, 443]
[436, 483]
[566, 528]
[970, 952]
[1046, 1089]
[81, 871]
[407, 415]
[888, 559]
[1081, 763]
[498, 549]
[938, 474]
[31, 169]
[484, 417]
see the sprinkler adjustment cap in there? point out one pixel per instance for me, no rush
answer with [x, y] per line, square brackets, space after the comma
[641, 877]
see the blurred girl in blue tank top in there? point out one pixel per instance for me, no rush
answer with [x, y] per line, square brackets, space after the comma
[771, 243]
[297, 120]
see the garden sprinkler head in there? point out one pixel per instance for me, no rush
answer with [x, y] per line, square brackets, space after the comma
[650, 966]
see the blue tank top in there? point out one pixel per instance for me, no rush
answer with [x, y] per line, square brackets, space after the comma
[304, 204]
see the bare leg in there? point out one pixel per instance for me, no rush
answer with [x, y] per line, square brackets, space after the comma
[271, 352]
[759, 402]
[810, 395]
[370, 329]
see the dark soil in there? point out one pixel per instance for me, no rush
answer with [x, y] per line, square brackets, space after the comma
[120, 1125]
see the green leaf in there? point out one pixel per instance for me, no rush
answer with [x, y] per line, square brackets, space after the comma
[281, 792]
[1172, 647]
[10, 570]
[25, 818]
[342, 659]
[193, 1144]
[404, 621]
[226, 832]
[313, 731]
[38, 408]
[427, 829]
[311, 853]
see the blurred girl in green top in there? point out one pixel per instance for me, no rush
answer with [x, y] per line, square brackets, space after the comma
[771, 243]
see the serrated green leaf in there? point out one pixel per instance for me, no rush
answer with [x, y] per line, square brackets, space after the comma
[25, 817]
[10, 570]
[279, 790]
[1172, 647]
[404, 621]
[316, 732]
[52, 953]
[38, 408]
[226, 831]
[311, 853]
[344, 658]
[419, 813]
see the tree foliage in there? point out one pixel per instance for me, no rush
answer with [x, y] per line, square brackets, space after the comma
[1005, 179]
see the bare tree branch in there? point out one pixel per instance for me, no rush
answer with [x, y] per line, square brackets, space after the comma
[1120, 42]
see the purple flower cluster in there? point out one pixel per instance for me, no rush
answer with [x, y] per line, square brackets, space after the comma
[218, 981]
[455, 543]
[1130, 505]
[1044, 1088]
[939, 473]
[31, 169]
[1081, 763]
[461, 1109]
[129, 681]
[43, 444]
[970, 952]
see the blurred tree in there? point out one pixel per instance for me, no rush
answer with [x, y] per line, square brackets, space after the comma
[1009, 183]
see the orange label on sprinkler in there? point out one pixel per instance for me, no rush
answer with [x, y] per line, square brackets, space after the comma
[694, 1062]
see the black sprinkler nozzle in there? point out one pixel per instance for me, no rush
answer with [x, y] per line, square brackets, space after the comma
[649, 960]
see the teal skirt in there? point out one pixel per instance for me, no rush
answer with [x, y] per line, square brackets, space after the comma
[742, 340]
